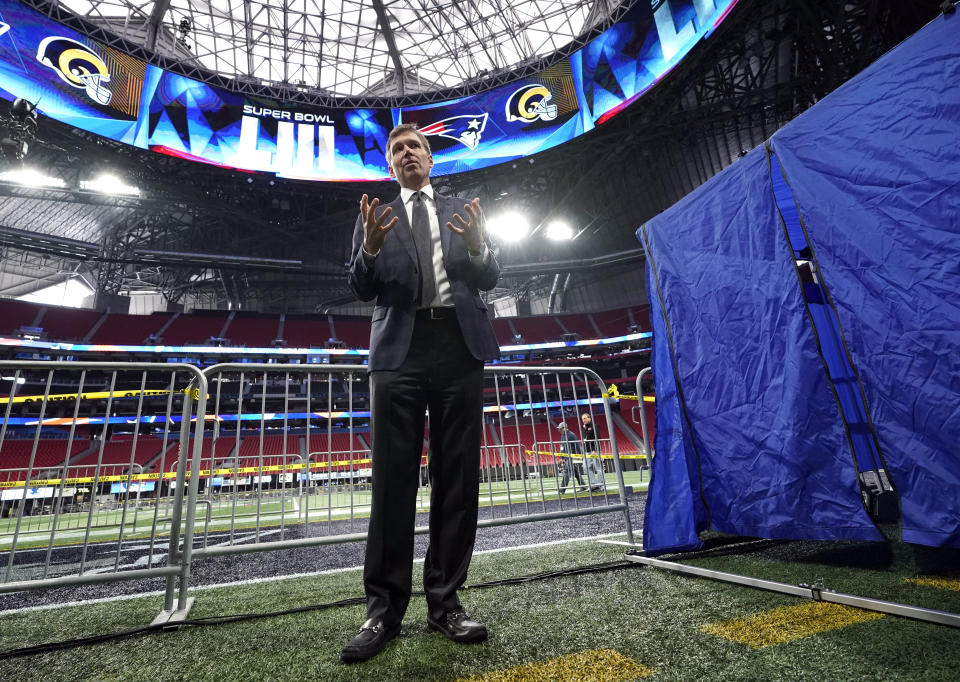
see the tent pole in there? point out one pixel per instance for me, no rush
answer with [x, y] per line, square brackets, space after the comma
[815, 592]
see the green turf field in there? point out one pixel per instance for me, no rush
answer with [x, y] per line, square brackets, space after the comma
[337, 503]
[630, 622]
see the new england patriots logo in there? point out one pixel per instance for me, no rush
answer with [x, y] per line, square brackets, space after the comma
[464, 129]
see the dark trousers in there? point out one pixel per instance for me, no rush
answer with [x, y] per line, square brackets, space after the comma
[570, 468]
[440, 373]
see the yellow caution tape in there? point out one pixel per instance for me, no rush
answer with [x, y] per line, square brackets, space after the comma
[579, 456]
[35, 483]
[614, 392]
[90, 395]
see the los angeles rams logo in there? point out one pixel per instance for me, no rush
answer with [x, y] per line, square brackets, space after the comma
[4, 28]
[77, 65]
[531, 103]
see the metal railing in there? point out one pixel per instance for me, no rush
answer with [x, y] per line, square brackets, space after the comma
[641, 410]
[78, 537]
[287, 464]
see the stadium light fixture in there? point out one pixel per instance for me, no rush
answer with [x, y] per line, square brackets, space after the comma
[29, 177]
[559, 231]
[109, 184]
[509, 227]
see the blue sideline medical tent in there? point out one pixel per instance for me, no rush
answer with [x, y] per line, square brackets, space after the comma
[806, 313]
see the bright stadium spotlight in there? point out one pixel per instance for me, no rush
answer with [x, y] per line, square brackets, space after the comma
[29, 177]
[109, 184]
[509, 227]
[559, 231]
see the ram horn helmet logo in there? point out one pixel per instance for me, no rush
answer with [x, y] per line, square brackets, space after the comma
[77, 65]
[529, 103]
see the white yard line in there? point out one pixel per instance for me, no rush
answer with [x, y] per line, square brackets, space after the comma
[255, 581]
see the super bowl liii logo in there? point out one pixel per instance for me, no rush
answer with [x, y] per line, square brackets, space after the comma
[304, 145]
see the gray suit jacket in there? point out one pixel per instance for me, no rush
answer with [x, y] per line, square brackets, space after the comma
[392, 279]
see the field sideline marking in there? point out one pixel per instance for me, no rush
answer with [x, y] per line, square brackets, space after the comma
[935, 581]
[788, 623]
[254, 581]
[595, 664]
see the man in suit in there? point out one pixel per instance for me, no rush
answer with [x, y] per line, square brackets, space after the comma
[424, 264]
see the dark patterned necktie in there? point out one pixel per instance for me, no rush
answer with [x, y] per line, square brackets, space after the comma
[424, 242]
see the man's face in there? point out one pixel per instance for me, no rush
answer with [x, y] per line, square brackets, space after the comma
[410, 163]
[586, 419]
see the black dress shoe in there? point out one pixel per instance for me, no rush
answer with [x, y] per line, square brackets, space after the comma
[458, 627]
[369, 641]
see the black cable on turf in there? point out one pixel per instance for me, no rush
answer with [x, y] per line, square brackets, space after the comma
[240, 617]
[162, 627]
[580, 570]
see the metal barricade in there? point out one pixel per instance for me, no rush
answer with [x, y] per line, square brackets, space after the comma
[327, 489]
[642, 412]
[74, 492]
[521, 419]
[287, 464]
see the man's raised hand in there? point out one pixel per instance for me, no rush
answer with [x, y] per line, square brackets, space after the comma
[374, 230]
[470, 230]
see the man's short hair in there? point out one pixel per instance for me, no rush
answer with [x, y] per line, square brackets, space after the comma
[404, 128]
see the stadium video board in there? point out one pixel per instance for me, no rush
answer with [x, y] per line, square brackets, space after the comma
[134, 487]
[87, 85]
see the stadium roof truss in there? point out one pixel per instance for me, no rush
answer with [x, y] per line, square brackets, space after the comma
[345, 52]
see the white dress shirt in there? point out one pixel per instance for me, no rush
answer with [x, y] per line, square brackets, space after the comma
[444, 295]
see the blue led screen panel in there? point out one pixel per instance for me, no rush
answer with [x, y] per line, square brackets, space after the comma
[193, 120]
[135, 487]
[69, 77]
[87, 85]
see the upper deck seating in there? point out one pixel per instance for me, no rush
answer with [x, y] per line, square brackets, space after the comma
[129, 330]
[68, 324]
[16, 314]
[256, 331]
[15, 456]
[306, 332]
[194, 329]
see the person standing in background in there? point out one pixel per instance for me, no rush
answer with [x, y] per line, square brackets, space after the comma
[569, 446]
[591, 450]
